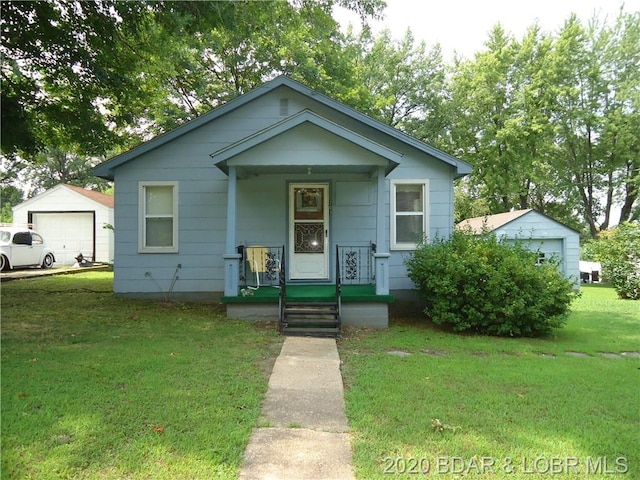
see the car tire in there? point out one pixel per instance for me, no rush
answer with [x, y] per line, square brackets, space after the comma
[48, 261]
[4, 263]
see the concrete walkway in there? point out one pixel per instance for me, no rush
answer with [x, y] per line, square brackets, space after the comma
[305, 433]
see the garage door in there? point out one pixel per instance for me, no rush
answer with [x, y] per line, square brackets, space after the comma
[550, 247]
[67, 234]
[547, 248]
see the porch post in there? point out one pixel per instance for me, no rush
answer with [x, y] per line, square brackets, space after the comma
[381, 256]
[231, 256]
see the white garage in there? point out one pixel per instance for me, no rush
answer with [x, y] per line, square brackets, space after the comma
[71, 220]
[538, 232]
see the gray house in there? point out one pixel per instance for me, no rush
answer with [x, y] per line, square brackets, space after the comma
[538, 232]
[280, 194]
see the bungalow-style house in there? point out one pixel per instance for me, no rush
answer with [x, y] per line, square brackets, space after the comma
[72, 221]
[276, 202]
[536, 231]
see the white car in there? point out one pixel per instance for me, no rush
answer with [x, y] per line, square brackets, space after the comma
[21, 247]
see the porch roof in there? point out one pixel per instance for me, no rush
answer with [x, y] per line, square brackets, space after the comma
[228, 156]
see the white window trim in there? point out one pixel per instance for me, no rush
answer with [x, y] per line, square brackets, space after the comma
[141, 218]
[392, 217]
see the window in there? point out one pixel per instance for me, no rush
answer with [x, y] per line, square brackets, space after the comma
[22, 238]
[158, 217]
[542, 258]
[409, 213]
[36, 239]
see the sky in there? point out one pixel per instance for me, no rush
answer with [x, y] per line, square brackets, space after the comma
[463, 25]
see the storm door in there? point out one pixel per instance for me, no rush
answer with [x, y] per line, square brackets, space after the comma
[309, 231]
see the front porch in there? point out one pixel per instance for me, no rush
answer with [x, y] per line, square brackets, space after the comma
[306, 237]
[360, 305]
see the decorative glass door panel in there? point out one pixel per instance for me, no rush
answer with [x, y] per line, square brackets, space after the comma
[308, 231]
[309, 237]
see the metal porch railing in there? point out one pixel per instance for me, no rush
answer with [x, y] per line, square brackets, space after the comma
[355, 264]
[261, 264]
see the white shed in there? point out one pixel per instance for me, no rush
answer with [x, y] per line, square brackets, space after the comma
[71, 220]
[538, 232]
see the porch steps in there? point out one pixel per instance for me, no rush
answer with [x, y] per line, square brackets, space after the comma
[311, 319]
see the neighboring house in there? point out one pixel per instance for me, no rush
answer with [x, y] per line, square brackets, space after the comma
[320, 187]
[537, 232]
[71, 220]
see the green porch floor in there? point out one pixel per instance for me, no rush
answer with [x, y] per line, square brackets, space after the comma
[313, 293]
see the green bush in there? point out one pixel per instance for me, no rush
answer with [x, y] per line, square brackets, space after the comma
[478, 284]
[618, 250]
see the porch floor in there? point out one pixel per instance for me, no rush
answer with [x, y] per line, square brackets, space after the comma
[313, 293]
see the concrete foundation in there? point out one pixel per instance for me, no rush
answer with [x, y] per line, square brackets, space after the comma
[373, 315]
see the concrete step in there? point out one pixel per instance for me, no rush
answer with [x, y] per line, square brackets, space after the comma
[313, 319]
[311, 322]
[331, 332]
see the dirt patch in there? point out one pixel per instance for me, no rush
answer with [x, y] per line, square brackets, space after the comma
[547, 355]
[479, 354]
[578, 354]
[399, 353]
[434, 353]
[510, 354]
[610, 355]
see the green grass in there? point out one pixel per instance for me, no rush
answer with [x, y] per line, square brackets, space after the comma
[524, 405]
[98, 387]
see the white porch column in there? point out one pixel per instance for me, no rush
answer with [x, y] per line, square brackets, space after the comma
[231, 256]
[381, 256]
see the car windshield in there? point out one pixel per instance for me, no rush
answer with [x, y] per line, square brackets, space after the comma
[5, 236]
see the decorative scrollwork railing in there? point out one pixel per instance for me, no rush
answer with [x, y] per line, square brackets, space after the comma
[355, 264]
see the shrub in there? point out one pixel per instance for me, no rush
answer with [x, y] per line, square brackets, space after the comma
[618, 250]
[482, 285]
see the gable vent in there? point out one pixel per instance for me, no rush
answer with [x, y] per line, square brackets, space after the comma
[284, 107]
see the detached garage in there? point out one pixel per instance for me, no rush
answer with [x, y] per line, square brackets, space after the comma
[71, 220]
[538, 232]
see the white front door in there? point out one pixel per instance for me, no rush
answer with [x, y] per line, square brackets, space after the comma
[309, 231]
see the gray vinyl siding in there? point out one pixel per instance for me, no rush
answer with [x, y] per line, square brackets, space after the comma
[440, 206]
[262, 206]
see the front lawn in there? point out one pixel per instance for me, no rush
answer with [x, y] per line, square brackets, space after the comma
[425, 402]
[95, 386]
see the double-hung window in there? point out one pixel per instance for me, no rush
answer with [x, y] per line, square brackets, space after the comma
[409, 213]
[158, 217]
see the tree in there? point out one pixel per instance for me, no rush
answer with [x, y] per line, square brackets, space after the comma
[10, 196]
[618, 250]
[620, 137]
[551, 122]
[56, 166]
[405, 80]
[595, 84]
[93, 78]
[495, 119]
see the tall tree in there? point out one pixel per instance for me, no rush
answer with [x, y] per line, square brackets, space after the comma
[405, 81]
[89, 78]
[487, 123]
[595, 82]
[620, 138]
[551, 122]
